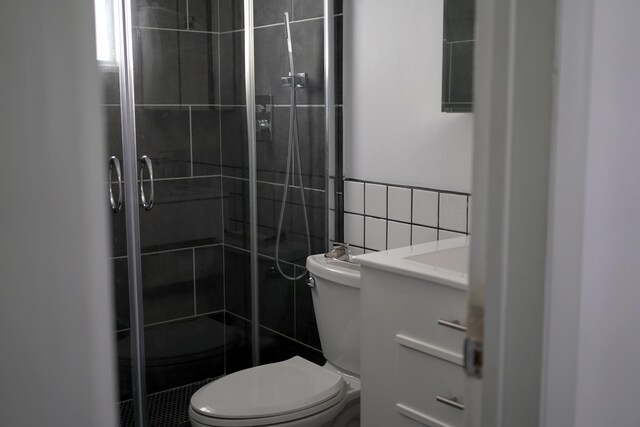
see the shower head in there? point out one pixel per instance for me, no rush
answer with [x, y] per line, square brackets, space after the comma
[287, 32]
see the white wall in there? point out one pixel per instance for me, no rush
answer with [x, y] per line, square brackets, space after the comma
[57, 359]
[394, 130]
[608, 385]
[593, 351]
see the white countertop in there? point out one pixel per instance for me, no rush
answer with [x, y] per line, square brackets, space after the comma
[443, 261]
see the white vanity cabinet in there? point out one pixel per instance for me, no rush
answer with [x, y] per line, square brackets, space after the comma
[413, 311]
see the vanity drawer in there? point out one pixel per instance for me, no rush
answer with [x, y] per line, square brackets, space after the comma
[430, 390]
[430, 312]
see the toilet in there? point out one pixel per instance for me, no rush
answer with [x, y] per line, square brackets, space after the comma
[297, 392]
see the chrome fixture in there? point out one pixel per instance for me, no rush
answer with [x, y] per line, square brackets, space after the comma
[330, 129]
[311, 282]
[124, 37]
[340, 252]
[293, 154]
[114, 163]
[263, 125]
[264, 118]
[300, 80]
[145, 161]
[454, 324]
[250, 92]
[452, 401]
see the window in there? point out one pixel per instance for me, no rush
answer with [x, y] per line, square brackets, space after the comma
[105, 32]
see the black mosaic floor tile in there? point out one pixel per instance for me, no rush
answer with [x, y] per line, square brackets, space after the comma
[168, 408]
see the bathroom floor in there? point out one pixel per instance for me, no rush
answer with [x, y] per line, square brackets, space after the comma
[169, 408]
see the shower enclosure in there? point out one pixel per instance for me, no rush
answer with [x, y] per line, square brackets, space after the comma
[220, 181]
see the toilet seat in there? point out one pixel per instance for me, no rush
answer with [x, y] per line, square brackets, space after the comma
[270, 394]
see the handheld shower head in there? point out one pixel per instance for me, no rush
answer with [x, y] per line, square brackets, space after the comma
[293, 156]
[287, 30]
[287, 33]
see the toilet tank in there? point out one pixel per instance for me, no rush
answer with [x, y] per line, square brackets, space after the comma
[336, 301]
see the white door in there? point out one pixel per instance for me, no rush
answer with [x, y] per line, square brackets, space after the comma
[556, 214]
[513, 102]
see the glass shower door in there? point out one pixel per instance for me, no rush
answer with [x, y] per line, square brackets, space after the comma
[290, 171]
[184, 105]
[192, 253]
[176, 57]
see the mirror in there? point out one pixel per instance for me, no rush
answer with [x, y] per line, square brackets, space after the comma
[457, 54]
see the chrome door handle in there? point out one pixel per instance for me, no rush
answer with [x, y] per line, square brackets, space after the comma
[114, 163]
[145, 161]
[452, 401]
[454, 324]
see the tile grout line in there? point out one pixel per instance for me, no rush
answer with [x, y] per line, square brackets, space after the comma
[387, 217]
[187, 248]
[364, 220]
[178, 319]
[291, 21]
[435, 190]
[411, 219]
[276, 332]
[277, 184]
[399, 221]
[179, 178]
[191, 139]
[193, 273]
[267, 257]
[467, 216]
[438, 216]
[180, 30]
[459, 41]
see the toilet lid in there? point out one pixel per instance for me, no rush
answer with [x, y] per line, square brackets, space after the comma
[268, 390]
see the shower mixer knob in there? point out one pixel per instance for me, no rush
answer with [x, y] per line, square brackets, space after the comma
[263, 124]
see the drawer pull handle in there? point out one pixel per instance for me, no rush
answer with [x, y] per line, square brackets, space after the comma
[455, 324]
[453, 402]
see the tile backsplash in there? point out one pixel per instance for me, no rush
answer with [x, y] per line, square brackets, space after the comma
[380, 216]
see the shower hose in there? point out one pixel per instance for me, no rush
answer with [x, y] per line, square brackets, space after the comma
[293, 154]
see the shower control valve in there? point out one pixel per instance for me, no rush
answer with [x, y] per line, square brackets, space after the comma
[263, 125]
[264, 118]
[300, 80]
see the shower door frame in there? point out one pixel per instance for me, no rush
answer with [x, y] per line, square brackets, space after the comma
[124, 46]
[250, 93]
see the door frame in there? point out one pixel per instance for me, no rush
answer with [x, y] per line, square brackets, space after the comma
[513, 105]
[555, 218]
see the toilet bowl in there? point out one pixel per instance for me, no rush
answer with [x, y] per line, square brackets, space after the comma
[297, 392]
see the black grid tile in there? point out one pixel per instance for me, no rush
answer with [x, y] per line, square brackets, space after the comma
[168, 408]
